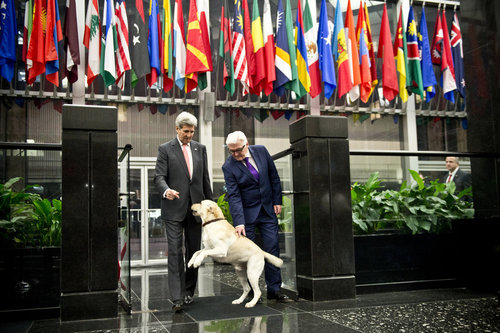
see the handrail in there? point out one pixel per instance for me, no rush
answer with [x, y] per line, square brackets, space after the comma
[125, 152]
[403, 153]
[30, 146]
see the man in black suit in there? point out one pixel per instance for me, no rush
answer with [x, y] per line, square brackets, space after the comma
[182, 178]
[461, 179]
[254, 196]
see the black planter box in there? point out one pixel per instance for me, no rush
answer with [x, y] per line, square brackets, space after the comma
[468, 256]
[30, 283]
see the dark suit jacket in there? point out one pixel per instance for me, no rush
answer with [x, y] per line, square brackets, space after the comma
[245, 194]
[462, 180]
[172, 172]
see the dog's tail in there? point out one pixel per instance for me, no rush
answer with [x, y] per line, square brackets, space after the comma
[273, 260]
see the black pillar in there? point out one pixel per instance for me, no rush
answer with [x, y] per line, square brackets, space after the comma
[322, 204]
[89, 274]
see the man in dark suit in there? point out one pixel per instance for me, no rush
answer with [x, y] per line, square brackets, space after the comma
[254, 196]
[461, 179]
[182, 178]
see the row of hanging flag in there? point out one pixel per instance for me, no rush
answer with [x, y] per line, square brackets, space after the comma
[299, 57]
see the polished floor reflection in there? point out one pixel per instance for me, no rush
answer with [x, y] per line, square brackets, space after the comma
[437, 310]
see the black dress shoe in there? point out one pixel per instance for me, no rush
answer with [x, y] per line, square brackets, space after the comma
[188, 299]
[279, 297]
[178, 306]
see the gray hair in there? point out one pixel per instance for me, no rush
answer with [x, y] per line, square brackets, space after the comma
[236, 137]
[456, 159]
[185, 118]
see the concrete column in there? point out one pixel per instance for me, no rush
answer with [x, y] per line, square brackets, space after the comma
[322, 207]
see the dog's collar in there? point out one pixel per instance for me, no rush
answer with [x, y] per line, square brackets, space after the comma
[214, 220]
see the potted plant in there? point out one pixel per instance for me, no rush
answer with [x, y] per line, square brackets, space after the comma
[30, 238]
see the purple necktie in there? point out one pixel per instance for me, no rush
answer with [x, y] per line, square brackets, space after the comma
[250, 167]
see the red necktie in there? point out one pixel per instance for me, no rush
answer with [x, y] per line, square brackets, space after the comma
[449, 178]
[186, 157]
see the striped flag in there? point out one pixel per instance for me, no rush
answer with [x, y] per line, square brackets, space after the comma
[225, 49]
[122, 52]
[447, 71]
[302, 65]
[239, 51]
[8, 39]
[139, 48]
[311, 36]
[389, 76]
[414, 71]
[247, 27]
[72, 42]
[371, 51]
[153, 44]
[53, 36]
[293, 84]
[36, 51]
[339, 49]
[259, 76]
[108, 67]
[364, 56]
[400, 57]
[458, 55]
[325, 52]
[91, 40]
[282, 55]
[353, 54]
[167, 62]
[196, 53]
[179, 45]
[428, 76]
[270, 70]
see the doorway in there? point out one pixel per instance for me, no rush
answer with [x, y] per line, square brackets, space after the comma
[148, 242]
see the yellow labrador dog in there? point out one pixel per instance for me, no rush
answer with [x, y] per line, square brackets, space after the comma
[223, 244]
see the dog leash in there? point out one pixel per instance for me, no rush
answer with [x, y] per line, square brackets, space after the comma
[214, 220]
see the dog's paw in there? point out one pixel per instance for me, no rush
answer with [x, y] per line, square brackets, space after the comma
[238, 301]
[250, 305]
[197, 262]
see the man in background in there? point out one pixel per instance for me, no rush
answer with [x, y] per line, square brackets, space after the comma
[461, 179]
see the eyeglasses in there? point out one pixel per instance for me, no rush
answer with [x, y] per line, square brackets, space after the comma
[239, 150]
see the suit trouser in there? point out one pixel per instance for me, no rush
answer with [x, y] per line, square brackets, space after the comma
[268, 227]
[182, 280]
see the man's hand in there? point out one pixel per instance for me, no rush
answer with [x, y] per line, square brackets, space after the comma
[240, 230]
[277, 209]
[171, 194]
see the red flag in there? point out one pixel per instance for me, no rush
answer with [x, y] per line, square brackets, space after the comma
[196, 55]
[352, 51]
[122, 53]
[268, 49]
[53, 36]
[362, 37]
[239, 53]
[258, 49]
[389, 75]
[249, 48]
[437, 40]
[166, 48]
[447, 70]
[371, 51]
[35, 57]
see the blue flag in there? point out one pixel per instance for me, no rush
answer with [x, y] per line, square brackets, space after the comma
[325, 52]
[8, 39]
[153, 44]
[428, 76]
[282, 58]
[458, 55]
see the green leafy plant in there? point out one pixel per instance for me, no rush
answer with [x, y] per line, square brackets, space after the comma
[414, 208]
[26, 219]
[224, 206]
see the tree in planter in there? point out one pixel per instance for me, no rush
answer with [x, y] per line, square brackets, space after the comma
[414, 208]
[26, 219]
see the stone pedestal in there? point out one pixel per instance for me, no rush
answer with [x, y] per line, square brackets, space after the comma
[322, 204]
[89, 273]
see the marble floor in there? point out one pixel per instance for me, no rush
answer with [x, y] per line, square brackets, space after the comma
[436, 310]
